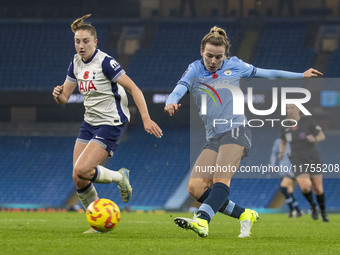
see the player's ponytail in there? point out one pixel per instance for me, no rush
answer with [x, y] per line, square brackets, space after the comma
[79, 24]
[217, 37]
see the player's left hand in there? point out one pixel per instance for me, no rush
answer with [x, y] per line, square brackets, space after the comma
[311, 138]
[152, 128]
[311, 72]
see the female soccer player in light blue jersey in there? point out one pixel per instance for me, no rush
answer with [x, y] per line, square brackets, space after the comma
[101, 80]
[226, 144]
[288, 178]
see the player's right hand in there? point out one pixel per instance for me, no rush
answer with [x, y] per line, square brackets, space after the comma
[57, 90]
[281, 155]
[171, 109]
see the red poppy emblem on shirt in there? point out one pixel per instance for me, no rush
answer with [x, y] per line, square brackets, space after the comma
[214, 75]
[294, 128]
[86, 75]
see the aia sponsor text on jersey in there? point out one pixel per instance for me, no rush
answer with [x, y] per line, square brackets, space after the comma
[86, 86]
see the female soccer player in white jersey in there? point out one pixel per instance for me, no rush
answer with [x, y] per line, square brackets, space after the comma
[101, 80]
[226, 145]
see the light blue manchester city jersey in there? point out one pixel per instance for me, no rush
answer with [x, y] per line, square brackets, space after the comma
[213, 97]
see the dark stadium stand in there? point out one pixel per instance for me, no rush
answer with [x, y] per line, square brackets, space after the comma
[282, 46]
[179, 43]
[333, 65]
[36, 170]
[35, 55]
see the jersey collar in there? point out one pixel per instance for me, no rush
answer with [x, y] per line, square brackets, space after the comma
[90, 59]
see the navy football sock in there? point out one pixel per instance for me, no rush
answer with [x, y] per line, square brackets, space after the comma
[217, 197]
[232, 209]
[228, 208]
[289, 199]
[204, 196]
[295, 203]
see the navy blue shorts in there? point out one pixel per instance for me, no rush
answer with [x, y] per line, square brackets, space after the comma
[104, 135]
[240, 135]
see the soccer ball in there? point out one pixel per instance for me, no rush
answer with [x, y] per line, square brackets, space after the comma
[103, 215]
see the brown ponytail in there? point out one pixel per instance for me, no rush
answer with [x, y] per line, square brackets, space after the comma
[79, 24]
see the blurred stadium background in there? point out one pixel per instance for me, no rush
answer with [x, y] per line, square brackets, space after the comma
[154, 41]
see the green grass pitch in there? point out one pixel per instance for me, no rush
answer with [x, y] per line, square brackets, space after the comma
[152, 233]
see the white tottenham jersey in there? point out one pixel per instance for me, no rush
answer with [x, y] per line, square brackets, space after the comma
[105, 100]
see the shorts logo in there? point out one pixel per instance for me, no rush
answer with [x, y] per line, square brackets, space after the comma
[98, 137]
[235, 133]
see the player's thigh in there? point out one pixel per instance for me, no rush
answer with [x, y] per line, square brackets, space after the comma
[92, 155]
[202, 172]
[204, 165]
[317, 184]
[227, 162]
[78, 149]
[304, 182]
[287, 182]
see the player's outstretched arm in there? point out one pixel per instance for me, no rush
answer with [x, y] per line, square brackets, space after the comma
[150, 126]
[63, 92]
[172, 106]
[274, 74]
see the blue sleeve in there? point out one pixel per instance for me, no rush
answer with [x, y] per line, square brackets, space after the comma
[70, 73]
[288, 149]
[179, 91]
[275, 152]
[247, 70]
[273, 74]
[273, 158]
[190, 74]
[112, 69]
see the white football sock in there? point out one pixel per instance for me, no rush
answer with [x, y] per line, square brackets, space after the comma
[104, 175]
[87, 195]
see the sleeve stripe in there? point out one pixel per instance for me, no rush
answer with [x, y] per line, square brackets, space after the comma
[116, 77]
[71, 79]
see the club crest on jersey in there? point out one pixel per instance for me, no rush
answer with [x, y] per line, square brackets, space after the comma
[86, 86]
[86, 75]
[227, 72]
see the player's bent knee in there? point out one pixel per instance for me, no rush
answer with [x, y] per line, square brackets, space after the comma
[318, 191]
[81, 173]
[196, 188]
[191, 190]
[306, 189]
